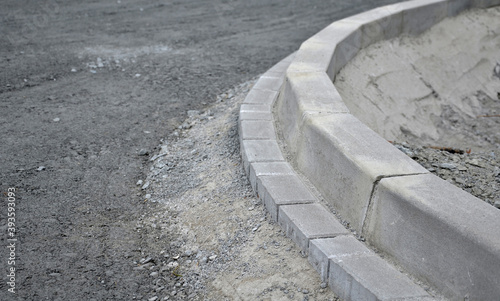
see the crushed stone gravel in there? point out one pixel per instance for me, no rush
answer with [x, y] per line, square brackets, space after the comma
[478, 173]
[228, 247]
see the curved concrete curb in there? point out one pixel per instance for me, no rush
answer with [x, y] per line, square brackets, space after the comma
[352, 270]
[436, 231]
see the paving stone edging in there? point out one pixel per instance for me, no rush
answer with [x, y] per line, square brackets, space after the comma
[436, 231]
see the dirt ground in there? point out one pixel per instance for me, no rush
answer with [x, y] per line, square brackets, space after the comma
[88, 92]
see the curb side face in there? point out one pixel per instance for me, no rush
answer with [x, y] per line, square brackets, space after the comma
[344, 158]
[425, 223]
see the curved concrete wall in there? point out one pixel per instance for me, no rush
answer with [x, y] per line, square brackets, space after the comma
[435, 230]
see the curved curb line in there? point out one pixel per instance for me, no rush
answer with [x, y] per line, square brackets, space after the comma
[433, 229]
[353, 271]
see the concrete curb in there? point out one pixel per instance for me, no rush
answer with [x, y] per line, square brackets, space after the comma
[434, 230]
[352, 270]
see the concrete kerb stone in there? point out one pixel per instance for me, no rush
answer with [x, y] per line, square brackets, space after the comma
[344, 158]
[357, 273]
[346, 39]
[302, 94]
[312, 57]
[261, 169]
[303, 223]
[485, 3]
[371, 278]
[322, 250]
[256, 111]
[259, 151]
[278, 190]
[421, 15]
[260, 97]
[379, 24]
[283, 193]
[257, 129]
[268, 82]
[442, 233]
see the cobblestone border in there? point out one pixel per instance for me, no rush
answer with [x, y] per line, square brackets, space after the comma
[436, 231]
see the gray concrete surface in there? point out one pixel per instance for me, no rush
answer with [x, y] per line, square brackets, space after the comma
[440, 232]
[319, 143]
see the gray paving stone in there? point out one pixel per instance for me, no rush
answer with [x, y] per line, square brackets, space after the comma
[268, 83]
[321, 250]
[370, 278]
[439, 232]
[257, 129]
[260, 169]
[283, 190]
[260, 97]
[259, 151]
[308, 221]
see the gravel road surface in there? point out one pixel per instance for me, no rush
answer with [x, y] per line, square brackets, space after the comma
[89, 91]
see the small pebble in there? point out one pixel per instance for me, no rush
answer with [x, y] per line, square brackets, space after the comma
[145, 260]
[447, 166]
[172, 265]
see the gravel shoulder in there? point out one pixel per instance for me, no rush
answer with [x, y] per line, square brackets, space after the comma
[229, 247]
